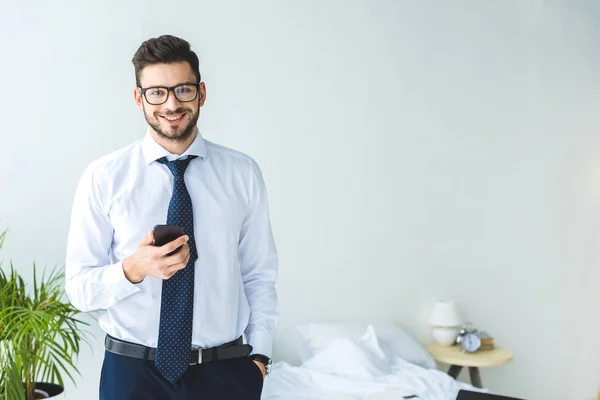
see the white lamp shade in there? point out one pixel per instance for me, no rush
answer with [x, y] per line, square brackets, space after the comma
[445, 314]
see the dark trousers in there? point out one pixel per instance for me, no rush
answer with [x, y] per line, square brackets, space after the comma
[127, 378]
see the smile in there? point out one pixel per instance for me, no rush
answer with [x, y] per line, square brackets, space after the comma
[173, 118]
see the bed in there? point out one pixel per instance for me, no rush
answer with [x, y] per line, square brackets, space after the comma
[355, 361]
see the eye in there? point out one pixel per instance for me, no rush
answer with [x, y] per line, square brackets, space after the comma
[155, 92]
[183, 89]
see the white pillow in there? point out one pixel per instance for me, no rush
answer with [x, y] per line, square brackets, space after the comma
[355, 358]
[393, 340]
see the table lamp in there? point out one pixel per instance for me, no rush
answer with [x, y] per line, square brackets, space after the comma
[446, 323]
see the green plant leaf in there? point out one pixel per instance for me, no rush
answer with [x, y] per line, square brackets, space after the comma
[40, 334]
[13, 386]
[2, 237]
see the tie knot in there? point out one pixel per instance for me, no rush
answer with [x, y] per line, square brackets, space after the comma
[177, 167]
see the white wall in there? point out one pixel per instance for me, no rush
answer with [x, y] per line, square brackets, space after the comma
[412, 151]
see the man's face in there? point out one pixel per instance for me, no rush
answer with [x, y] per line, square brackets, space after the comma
[173, 120]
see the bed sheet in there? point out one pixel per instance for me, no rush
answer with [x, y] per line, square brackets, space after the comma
[358, 370]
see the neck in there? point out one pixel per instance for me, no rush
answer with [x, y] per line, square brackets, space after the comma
[176, 147]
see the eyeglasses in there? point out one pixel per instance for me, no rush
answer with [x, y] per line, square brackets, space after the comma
[157, 95]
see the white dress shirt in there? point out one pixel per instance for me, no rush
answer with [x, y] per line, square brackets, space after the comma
[121, 196]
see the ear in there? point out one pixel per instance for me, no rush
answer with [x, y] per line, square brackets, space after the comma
[202, 93]
[137, 96]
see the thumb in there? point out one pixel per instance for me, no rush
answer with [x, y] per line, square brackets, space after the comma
[148, 239]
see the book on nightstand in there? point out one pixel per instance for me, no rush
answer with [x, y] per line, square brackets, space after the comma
[487, 342]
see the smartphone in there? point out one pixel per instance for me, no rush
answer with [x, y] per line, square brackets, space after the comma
[164, 234]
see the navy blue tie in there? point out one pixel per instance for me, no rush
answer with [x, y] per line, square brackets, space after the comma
[177, 304]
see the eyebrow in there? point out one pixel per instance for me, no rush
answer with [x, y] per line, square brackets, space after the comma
[164, 86]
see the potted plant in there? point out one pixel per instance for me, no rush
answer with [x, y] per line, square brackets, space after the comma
[39, 335]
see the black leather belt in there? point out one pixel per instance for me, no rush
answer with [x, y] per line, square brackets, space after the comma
[235, 349]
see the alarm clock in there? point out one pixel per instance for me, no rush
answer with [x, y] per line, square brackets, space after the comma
[470, 342]
[469, 339]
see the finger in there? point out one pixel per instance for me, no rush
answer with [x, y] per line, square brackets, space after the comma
[148, 239]
[166, 275]
[174, 244]
[179, 256]
[172, 270]
[177, 266]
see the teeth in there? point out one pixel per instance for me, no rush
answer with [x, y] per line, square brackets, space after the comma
[174, 118]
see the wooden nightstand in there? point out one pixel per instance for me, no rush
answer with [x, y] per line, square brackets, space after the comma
[457, 358]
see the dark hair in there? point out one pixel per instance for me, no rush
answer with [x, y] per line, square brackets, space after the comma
[164, 49]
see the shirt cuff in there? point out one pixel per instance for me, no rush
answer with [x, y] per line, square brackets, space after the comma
[116, 279]
[260, 339]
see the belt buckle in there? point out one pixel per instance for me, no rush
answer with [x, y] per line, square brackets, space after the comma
[194, 362]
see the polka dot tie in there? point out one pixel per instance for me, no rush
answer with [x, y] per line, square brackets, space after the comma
[177, 305]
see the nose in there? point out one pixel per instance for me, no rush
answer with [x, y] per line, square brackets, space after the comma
[172, 103]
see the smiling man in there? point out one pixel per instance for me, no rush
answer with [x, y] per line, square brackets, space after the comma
[175, 323]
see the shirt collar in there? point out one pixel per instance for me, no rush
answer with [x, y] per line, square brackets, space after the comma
[153, 151]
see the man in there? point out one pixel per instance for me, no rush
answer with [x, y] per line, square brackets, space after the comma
[175, 322]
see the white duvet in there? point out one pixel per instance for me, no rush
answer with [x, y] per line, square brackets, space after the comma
[358, 369]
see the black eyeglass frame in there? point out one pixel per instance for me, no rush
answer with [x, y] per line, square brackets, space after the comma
[170, 89]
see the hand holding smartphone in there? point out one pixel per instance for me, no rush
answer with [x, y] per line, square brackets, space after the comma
[156, 255]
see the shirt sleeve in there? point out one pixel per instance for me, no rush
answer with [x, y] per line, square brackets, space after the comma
[91, 281]
[259, 265]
